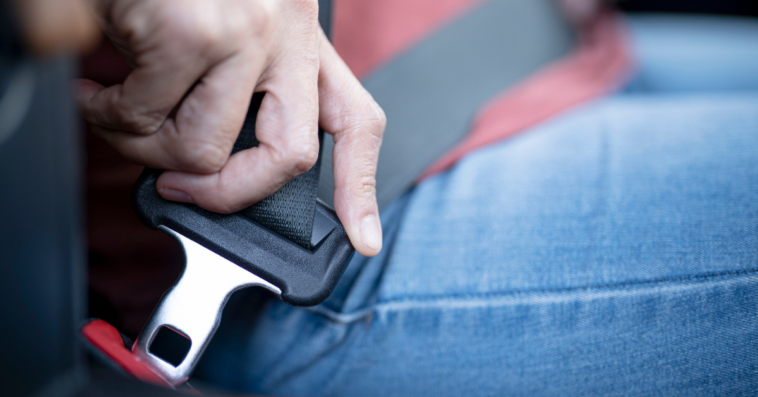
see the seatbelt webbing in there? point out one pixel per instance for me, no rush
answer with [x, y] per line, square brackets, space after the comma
[290, 210]
[432, 92]
[601, 64]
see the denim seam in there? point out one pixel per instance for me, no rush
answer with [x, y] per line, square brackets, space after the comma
[700, 277]
[362, 314]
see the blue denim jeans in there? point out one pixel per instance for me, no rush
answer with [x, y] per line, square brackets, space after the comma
[610, 251]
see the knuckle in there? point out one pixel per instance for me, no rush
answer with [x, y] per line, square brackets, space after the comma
[376, 118]
[203, 37]
[364, 185]
[362, 122]
[263, 16]
[260, 20]
[190, 28]
[368, 127]
[303, 157]
[298, 156]
[201, 157]
[137, 122]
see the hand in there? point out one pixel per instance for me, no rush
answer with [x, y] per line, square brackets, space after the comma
[196, 66]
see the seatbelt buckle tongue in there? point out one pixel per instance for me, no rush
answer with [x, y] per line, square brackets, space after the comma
[224, 253]
[189, 313]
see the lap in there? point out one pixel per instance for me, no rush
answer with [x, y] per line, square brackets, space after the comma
[629, 190]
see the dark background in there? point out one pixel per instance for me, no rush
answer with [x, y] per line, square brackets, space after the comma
[728, 7]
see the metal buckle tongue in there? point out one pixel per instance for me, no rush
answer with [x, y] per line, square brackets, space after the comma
[188, 315]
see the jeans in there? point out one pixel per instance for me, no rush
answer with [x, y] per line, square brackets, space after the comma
[610, 251]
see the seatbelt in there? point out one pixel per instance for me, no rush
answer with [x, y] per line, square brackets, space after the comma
[431, 92]
[289, 211]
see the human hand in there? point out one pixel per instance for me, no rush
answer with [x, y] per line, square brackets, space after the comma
[196, 66]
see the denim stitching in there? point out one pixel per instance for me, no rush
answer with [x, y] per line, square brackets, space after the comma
[361, 314]
[701, 277]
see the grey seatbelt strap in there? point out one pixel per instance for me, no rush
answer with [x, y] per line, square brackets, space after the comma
[431, 92]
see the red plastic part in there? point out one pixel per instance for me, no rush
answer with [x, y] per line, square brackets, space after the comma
[107, 339]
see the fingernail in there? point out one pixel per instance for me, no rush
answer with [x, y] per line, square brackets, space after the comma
[175, 195]
[371, 235]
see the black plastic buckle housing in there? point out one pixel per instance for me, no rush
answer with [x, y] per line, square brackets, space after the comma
[305, 277]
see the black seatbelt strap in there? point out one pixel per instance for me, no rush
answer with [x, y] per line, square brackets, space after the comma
[432, 92]
[290, 210]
